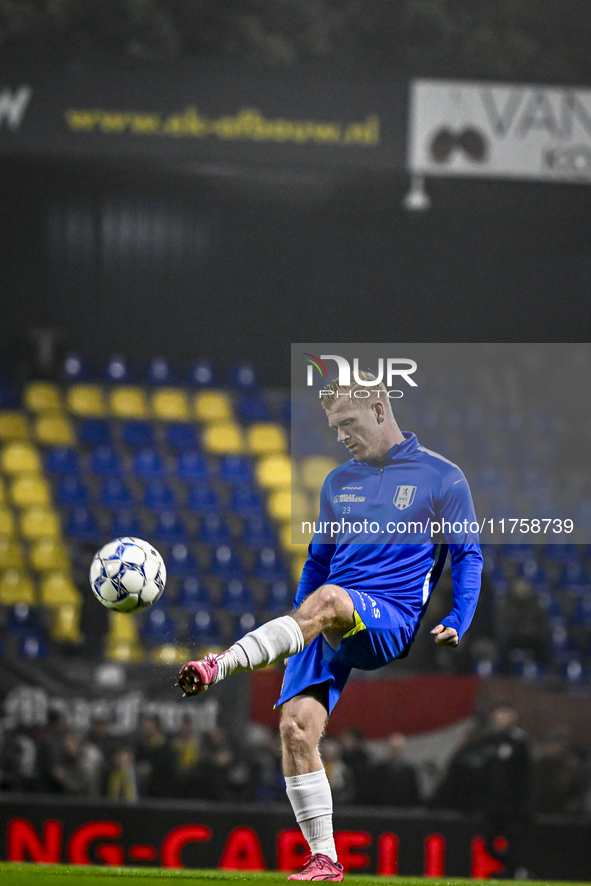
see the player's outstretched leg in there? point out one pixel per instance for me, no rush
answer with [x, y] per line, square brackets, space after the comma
[328, 609]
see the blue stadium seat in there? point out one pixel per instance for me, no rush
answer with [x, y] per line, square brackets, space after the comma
[280, 597]
[203, 629]
[159, 372]
[575, 579]
[169, 527]
[114, 493]
[75, 369]
[159, 496]
[243, 376]
[202, 499]
[213, 530]
[160, 627]
[33, 646]
[269, 565]
[191, 465]
[72, 491]
[181, 561]
[247, 622]
[95, 432]
[236, 469]
[83, 525]
[105, 461]
[126, 522]
[181, 437]
[226, 564]
[253, 407]
[148, 464]
[202, 375]
[237, 598]
[137, 434]
[62, 460]
[256, 532]
[118, 370]
[23, 620]
[194, 594]
[246, 502]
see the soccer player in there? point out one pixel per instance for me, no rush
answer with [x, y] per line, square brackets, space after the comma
[362, 593]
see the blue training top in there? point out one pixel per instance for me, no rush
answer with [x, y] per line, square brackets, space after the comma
[416, 507]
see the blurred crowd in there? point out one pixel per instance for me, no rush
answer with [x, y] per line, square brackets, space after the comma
[494, 769]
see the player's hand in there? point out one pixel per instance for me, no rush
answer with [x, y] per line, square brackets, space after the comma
[445, 636]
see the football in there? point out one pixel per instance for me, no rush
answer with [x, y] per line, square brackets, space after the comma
[127, 574]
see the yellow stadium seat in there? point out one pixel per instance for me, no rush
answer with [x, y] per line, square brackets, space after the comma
[224, 438]
[48, 554]
[313, 471]
[54, 429]
[297, 564]
[169, 654]
[123, 642]
[7, 525]
[30, 489]
[37, 522]
[14, 426]
[170, 404]
[20, 457]
[2, 492]
[299, 548]
[40, 396]
[285, 504]
[58, 589]
[274, 471]
[16, 587]
[129, 402]
[65, 625]
[212, 406]
[266, 438]
[12, 554]
[86, 401]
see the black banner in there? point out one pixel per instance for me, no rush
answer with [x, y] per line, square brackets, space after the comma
[199, 835]
[191, 115]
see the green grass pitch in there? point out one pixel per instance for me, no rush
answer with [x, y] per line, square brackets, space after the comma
[72, 875]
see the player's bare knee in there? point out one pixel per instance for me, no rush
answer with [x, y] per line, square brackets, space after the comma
[295, 734]
[335, 604]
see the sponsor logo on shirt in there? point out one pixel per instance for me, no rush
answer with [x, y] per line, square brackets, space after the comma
[348, 497]
[352, 487]
[404, 496]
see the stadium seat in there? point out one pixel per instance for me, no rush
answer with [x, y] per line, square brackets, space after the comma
[16, 586]
[12, 554]
[181, 561]
[181, 437]
[32, 646]
[194, 594]
[274, 471]
[314, 469]
[280, 597]
[49, 554]
[269, 566]
[54, 429]
[159, 496]
[82, 525]
[245, 623]
[237, 598]
[20, 457]
[126, 522]
[30, 489]
[252, 407]
[114, 493]
[204, 631]
[72, 491]
[42, 396]
[86, 401]
[212, 406]
[105, 460]
[62, 461]
[122, 642]
[95, 432]
[24, 619]
[14, 426]
[74, 368]
[213, 530]
[170, 654]
[7, 524]
[236, 469]
[170, 405]
[223, 438]
[159, 372]
[266, 438]
[256, 532]
[128, 402]
[57, 589]
[191, 465]
[137, 434]
[148, 464]
[245, 501]
[243, 376]
[65, 625]
[39, 521]
[117, 370]
[2, 492]
[202, 499]
[226, 563]
[292, 547]
[159, 627]
[169, 527]
[279, 504]
[201, 374]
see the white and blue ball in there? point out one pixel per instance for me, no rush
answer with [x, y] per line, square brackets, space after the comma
[127, 574]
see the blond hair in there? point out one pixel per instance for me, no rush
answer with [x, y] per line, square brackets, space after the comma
[333, 391]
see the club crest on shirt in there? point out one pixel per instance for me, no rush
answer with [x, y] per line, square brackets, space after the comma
[404, 496]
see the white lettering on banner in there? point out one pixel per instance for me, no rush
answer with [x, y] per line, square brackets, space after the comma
[501, 130]
[13, 106]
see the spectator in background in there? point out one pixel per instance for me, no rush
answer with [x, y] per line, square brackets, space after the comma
[393, 781]
[356, 757]
[558, 776]
[186, 749]
[50, 753]
[523, 621]
[122, 780]
[79, 767]
[155, 759]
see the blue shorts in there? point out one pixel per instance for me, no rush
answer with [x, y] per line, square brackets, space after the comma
[381, 634]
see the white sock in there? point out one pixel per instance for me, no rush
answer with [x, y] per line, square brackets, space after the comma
[275, 639]
[311, 800]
